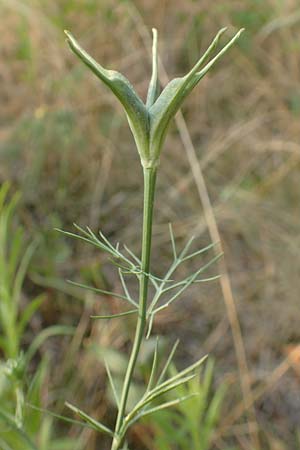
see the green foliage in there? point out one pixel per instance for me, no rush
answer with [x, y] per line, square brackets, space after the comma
[192, 423]
[149, 123]
[50, 139]
[14, 261]
[21, 426]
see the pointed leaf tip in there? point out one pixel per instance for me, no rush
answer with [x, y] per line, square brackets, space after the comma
[172, 97]
[95, 424]
[69, 37]
[135, 109]
[154, 82]
[149, 122]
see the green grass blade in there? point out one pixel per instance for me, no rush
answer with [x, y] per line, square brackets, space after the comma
[4, 445]
[20, 275]
[28, 312]
[54, 330]
[4, 416]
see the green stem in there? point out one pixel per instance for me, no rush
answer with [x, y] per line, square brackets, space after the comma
[149, 191]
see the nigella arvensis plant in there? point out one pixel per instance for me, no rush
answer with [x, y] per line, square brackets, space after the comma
[149, 123]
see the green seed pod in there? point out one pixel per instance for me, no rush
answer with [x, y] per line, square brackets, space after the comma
[149, 122]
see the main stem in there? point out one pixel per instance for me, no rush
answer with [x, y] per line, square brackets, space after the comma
[149, 191]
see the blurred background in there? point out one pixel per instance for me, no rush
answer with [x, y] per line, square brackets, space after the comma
[229, 171]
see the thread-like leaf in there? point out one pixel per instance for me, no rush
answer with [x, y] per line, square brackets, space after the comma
[98, 290]
[153, 368]
[198, 252]
[130, 252]
[97, 425]
[168, 362]
[126, 291]
[184, 282]
[189, 280]
[60, 417]
[113, 316]
[150, 317]
[155, 393]
[172, 241]
[165, 405]
[181, 374]
[112, 384]
[85, 239]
